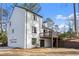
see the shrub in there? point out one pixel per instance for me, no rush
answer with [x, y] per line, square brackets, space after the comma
[66, 35]
[3, 38]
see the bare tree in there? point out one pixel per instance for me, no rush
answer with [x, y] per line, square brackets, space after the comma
[3, 16]
[56, 28]
[50, 22]
[35, 7]
[75, 26]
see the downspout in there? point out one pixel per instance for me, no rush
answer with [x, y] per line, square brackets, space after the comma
[26, 28]
[25, 31]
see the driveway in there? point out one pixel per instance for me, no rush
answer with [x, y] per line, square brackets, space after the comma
[5, 48]
[40, 52]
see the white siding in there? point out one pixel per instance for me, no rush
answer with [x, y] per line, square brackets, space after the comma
[47, 43]
[18, 24]
[30, 35]
[29, 30]
[22, 22]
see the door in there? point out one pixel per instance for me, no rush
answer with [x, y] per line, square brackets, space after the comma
[41, 43]
[54, 42]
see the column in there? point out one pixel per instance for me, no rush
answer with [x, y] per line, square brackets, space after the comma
[52, 40]
[57, 42]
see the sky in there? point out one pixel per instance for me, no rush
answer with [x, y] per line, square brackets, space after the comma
[53, 10]
[58, 12]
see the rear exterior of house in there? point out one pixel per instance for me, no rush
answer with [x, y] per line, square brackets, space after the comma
[23, 29]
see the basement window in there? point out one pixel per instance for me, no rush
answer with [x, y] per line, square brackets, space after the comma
[34, 41]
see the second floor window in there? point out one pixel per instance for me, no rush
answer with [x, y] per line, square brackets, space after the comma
[12, 30]
[44, 30]
[10, 23]
[34, 30]
[34, 17]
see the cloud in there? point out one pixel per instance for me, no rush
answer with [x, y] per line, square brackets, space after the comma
[61, 17]
[66, 18]
[63, 27]
[71, 16]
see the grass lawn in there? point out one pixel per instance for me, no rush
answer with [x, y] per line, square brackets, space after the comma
[40, 52]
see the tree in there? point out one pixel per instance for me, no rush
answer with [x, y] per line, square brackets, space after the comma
[35, 7]
[50, 22]
[3, 16]
[56, 28]
[3, 38]
[69, 23]
[75, 27]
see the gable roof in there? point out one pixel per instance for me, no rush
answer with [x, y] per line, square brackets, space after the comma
[29, 11]
[24, 9]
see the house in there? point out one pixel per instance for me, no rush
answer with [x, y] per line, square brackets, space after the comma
[23, 28]
[26, 29]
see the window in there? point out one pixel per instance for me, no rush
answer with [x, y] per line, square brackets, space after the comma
[34, 41]
[10, 23]
[34, 29]
[12, 30]
[44, 31]
[13, 40]
[34, 17]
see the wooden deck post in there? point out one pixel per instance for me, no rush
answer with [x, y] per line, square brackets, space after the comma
[52, 39]
[57, 42]
[52, 42]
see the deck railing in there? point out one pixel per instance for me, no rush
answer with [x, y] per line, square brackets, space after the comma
[48, 34]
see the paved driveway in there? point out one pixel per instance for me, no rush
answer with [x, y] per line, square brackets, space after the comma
[5, 48]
